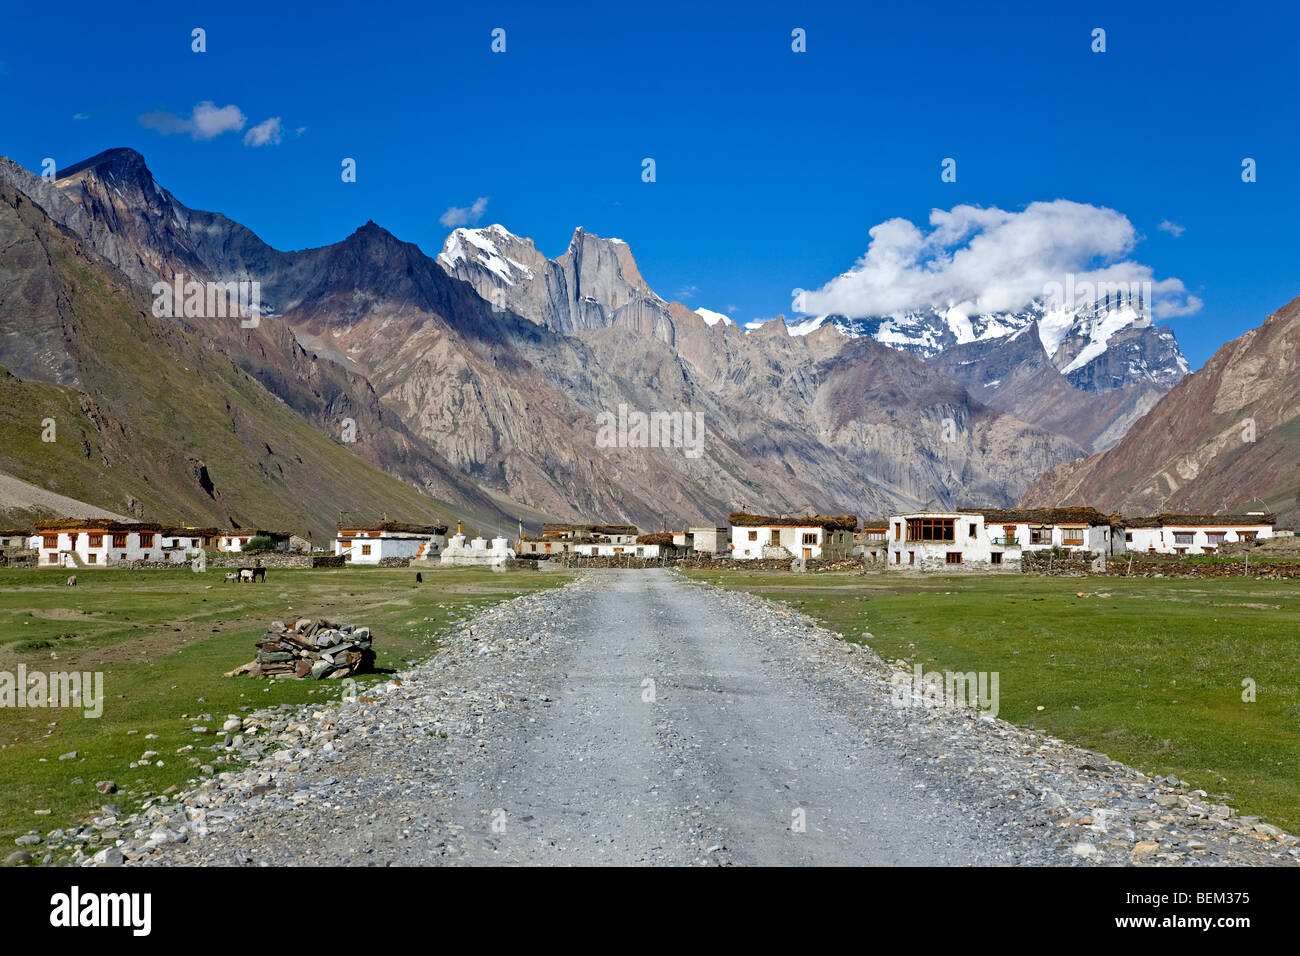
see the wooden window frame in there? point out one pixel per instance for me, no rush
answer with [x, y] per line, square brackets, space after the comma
[932, 529]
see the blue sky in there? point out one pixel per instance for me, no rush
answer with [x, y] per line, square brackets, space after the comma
[771, 165]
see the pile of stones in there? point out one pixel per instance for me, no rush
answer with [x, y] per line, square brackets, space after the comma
[315, 649]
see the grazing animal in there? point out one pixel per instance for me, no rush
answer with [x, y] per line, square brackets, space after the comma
[72, 581]
[245, 574]
[419, 578]
[259, 574]
[231, 576]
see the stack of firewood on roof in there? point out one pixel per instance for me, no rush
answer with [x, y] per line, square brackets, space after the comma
[307, 648]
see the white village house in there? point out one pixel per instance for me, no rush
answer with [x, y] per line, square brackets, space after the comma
[810, 537]
[370, 544]
[1192, 533]
[96, 542]
[987, 538]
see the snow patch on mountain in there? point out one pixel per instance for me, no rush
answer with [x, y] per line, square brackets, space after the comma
[713, 318]
[488, 255]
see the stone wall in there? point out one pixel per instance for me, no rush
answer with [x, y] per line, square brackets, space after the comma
[277, 559]
[1172, 566]
[18, 558]
[1056, 562]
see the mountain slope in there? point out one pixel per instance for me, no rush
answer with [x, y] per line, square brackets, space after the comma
[1085, 372]
[150, 417]
[1224, 439]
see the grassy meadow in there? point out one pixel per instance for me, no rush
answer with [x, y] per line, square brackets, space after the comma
[1148, 671]
[163, 639]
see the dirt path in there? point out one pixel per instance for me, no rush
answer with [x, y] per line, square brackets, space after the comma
[638, 718]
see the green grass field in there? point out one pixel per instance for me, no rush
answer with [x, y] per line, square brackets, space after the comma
[1150, 674]
[163, 639]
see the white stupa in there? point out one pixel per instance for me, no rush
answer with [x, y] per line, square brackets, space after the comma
[477, 551]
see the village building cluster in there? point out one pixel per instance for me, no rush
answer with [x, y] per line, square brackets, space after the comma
[963, 538]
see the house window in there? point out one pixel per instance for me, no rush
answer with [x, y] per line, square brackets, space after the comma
[618, 550]
[1128, 537]
[1247, 535]
[1184, 537]
[146, 539]
[931, 529]
[119, 539]
[51, 556]
[1072, 536]
[996, 557]
[898, 557]
[1214, 537]
[548, 547]
[365, 549]
[972, 526]
[753, 536]
[1040, 535]
[96, 540]
[911, 557]
[898, 531]
[810, 537]
[774, 538]
[90, 558]
[952, 557]
[50, 540]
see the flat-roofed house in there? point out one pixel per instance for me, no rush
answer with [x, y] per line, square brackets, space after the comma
[16, 547]
[808, 537]
[1041, 529]
[557, 539]
[372, 543]
[712, 541]
[872, 542]
[993, 538]
[1192, 533]
[96, 542]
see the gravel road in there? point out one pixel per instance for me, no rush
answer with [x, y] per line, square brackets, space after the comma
[636, 717]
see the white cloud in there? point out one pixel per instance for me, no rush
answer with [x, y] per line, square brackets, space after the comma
[990, 260]
[267, 131]
[687, 292]
[81, 116]
[208, 121]
[1172, 228]
[464, 215]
